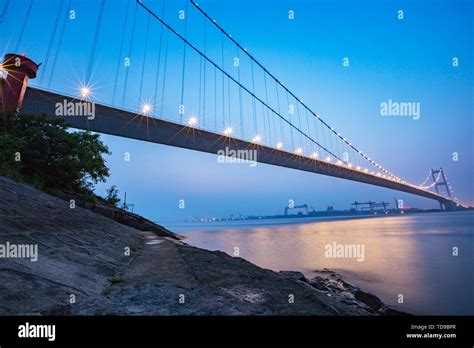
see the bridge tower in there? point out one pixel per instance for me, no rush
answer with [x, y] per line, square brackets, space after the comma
[12, 89]
[444, 183]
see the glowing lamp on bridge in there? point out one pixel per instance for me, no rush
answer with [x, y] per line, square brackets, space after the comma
[314, 155]
[279, 145]
[257, 139]
[192, 121]
[328, 159]
[349, 165]
[358, 168]
[366, 170]
[339, 163]
[228, 131]
[146, 108]
[298, 151]
[85, 91]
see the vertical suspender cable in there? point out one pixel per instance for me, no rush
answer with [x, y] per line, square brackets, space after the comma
[229, 101]
[307, 121]
[324, 136]
[51, 40]
[4, 11]
[299, 121]
[144, 59]
[22, 30]
[254, 107]
[94, 42]
[129, 53]
[215, 99]
[200, 88]
[181, 109]
[240, 99]
[266, 122]
[53, 66]
[289, 119]
[205, 68]
[159, 58]
[119, 64]
[223, 95]
[315, 122]
[164, 76]
[279, 111]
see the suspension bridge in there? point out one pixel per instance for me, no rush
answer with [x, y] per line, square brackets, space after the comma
[186, 83]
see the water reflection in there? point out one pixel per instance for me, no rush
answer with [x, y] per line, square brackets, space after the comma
[408, 255]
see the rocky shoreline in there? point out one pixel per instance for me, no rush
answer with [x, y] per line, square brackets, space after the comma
[97, 260]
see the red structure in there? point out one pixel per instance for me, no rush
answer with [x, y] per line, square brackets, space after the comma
[12, 89]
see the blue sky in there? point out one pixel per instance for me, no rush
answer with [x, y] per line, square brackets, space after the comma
[403, 60]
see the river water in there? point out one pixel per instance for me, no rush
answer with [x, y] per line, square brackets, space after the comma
[409, 255]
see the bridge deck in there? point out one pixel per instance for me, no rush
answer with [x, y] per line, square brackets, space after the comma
[113, 121]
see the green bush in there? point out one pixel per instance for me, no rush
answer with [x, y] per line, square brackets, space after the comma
[10, 156]
[112, 196]
[54, 158]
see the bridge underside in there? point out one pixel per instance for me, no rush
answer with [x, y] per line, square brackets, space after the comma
[109, 120]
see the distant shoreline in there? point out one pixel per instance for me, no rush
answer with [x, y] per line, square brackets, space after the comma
[252, 223]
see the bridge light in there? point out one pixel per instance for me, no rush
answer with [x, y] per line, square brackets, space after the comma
[298, 151]
[228, 131]
[146, 108]
[358, 168]
[192, 121]
[279, 145]
[349, 165]
[85, 91]
[339, 163]
[257, 139]
[328, 159]
[366, 170]
[314, 155]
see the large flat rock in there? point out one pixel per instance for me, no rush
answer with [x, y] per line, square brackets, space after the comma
[77, 251]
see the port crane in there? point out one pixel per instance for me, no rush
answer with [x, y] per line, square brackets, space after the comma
[370, 205]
